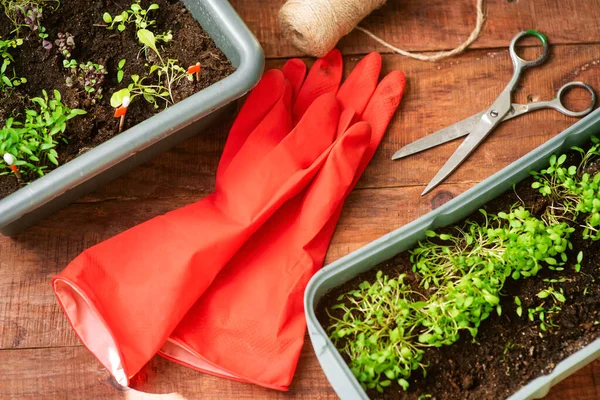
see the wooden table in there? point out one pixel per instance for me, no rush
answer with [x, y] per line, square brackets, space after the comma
[40, 356]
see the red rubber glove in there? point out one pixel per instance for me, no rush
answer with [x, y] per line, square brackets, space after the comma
[124, 296]
[249, 325]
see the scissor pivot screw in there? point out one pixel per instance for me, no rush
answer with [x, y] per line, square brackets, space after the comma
[494, 113]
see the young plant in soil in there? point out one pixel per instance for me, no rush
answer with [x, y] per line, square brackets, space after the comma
[378, 331]
[29, 14]
[384, 327]
[90, 59]
[166, 74]
[8, 77]
[134, 15]
[33, 140]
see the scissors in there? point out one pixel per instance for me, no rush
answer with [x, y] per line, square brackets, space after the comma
[479, 126]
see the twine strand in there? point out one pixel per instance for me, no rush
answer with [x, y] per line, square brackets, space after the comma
[315, 26]
[440, 54]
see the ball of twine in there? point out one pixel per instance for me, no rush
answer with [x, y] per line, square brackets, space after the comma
[315, 26]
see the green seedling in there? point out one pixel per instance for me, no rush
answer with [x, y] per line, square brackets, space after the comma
[31, 142]
[65, 44]
[139, 87]
[579, 260]
[544, 316]
[29, 14]
[519, 307]
[377, 330]
[120, 72]
[572, 191]
[89, 76]
[134, 15]
[170, 71]
[551, 292]
[555, 280]
[8, 78]
[508, 347]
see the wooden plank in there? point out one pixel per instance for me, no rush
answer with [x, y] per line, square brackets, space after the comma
[71, 372]
[419, 25]
[436, 96]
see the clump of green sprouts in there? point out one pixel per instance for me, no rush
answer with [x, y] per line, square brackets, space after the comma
[8, 76]
[386, 325]
[32, 141]
[29, 14]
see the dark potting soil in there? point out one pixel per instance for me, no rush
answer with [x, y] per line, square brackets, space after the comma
[508, 352]
[83, 19]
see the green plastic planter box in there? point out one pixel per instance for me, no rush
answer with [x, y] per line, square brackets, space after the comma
[339, 375]
[142, 142]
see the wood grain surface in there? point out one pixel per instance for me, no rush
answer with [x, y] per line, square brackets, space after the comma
[40, 357]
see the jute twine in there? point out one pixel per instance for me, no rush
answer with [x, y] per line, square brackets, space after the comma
[315, 26]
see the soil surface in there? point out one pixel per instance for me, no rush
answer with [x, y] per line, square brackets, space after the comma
[94, 42]
[510, 350]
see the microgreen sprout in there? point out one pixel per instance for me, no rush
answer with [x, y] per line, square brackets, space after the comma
[168, 70]
[544, 316]
[134, 15]
[555, 280]
[89, 76]
[509, 346]
[557, 295]
[32, 141]
[138, 87]
[65, 44]
[377, 332]
[519, 307]
[120, 72]
[573, 191]
[29, 14]
[8, 78]
[579, 260]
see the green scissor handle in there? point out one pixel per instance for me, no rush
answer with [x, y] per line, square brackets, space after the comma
[521, 63]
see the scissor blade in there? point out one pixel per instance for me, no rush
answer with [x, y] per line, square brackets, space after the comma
[447, 134]
[480, 131]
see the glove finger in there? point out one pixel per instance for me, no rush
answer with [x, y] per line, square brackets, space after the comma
[383, 105]
[324, 77]
[294, 71]
[259, 103]
[290, 166]
[357, 89]
[331, 184]
[275, 126]
[379, 113]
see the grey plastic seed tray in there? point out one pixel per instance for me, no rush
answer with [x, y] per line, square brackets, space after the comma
[144, 141]
[339, 375]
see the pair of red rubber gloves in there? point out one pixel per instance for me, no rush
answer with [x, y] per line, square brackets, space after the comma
[218, 285]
